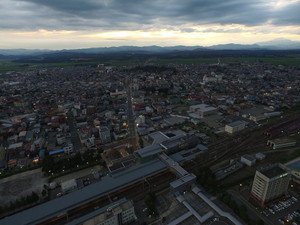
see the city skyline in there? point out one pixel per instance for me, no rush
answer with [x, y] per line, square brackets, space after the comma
[34, 24]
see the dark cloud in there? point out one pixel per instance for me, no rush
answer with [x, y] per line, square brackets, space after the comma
[289, 15]
[140, 14]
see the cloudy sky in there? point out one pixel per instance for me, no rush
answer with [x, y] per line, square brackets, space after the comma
[65, 24]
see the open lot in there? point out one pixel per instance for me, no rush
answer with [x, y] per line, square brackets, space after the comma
[13, 187]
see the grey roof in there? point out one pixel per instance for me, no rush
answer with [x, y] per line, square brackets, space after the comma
[158, 137]
[105, 186]
[273, 171]
[236, 123]
[97, 212]
[173, 141]
[174, 120]
[203, 107]
[150, 150]
[183, 180]
[160, 143]
[294, 166]
[249, 157]
[173, 164]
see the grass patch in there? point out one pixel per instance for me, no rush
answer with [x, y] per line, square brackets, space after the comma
[282, 157]
[289, 60]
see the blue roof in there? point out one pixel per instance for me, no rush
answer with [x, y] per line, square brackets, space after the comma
[294, 165]
[107, 185]
[56, 151]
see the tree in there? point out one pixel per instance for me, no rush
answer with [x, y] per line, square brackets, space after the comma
[260, 222]
[141, 142]
[44, 193]
[47, 164]
[34, 197]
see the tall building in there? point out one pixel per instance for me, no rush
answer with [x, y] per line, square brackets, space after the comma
[270, 183]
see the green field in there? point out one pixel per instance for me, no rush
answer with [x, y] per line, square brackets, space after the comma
[290, 60]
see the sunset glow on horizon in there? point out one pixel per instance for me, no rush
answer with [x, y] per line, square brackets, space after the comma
[70, 24]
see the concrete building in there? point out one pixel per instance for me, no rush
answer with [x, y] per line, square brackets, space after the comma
[183, 184]
[104, 134]
[281, 143]
[248, 160]
[258, 117]
[235, 126]
[116, 213]
[203, 110]
[270, 183]
[260, 156]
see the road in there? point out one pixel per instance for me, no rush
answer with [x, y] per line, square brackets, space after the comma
[237, 196]
[131, 118]
[74, 135]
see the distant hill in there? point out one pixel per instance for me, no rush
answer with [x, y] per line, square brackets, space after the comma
[277, 44]
[18, 52]
[280, 44]
[145, 49]
[233, 46]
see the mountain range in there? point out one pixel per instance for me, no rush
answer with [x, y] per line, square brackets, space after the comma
[276, 44]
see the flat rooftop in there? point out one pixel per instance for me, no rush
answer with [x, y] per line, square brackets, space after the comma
[282, 141]
[183, 180]
[150, 150]
[249, 157]
[294, 165]
[173, 164]
[203, 107]
[236, 123]
[158, 137]
[273, 172]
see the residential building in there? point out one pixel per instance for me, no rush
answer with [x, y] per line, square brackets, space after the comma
[270, 183]
[104, 134]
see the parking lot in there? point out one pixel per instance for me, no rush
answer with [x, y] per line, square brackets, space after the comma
[284, 211]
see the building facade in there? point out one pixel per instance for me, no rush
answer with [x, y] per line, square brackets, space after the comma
[248, 160]
[235, 127]
[270, 183]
